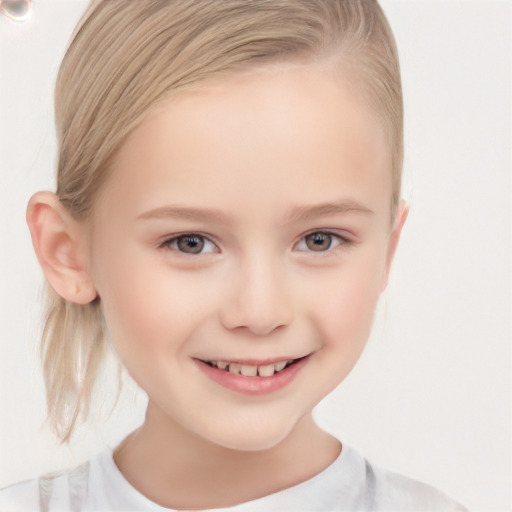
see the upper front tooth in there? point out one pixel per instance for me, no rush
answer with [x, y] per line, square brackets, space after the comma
[235, 368]
[249, 371]
[266, 371]
[279, 366]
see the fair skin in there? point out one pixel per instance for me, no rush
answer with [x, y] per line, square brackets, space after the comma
[278, 182]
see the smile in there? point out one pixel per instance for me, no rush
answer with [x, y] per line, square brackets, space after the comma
[249, 370]
[253, 379]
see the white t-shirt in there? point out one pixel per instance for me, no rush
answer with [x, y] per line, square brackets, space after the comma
[350, 483]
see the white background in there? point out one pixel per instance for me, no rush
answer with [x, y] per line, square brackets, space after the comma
[431, 396]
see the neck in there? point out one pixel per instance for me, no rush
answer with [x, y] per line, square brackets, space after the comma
[177, 469]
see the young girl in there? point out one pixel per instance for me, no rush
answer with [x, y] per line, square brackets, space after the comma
[227, 211]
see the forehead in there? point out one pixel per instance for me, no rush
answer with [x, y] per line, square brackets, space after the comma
[287, 133]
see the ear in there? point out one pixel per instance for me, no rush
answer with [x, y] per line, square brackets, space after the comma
[400, 218]
[60, 244]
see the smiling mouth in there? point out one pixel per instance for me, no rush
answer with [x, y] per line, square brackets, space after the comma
[249, 370]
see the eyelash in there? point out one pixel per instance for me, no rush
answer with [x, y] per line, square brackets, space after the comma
[172, 243]
[341, 241]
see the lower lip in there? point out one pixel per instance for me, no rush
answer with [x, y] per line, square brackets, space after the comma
[253, 385]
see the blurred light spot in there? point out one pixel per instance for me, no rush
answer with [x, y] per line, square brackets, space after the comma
[16, 10]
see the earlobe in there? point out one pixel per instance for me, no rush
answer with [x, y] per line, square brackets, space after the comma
[400, 218]
[60, 245]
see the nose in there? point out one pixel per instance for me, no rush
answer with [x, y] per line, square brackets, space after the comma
[258, 301]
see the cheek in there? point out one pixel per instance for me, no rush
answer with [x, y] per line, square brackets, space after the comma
[347, 308]
[135, 304]
[351, 311]
[150, 310]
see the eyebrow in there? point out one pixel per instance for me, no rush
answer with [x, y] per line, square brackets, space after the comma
[297, 214]
[305, 213]
[183, 212]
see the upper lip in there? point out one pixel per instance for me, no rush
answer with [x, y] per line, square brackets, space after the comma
[252, 362]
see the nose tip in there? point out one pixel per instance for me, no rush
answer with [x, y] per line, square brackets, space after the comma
[260, 320]
[259, 305]
[258, 327]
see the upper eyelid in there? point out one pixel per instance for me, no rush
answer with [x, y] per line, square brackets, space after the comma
[166, 241]
[332, 232]
[169, 238]
[327, 231]
[343, 239]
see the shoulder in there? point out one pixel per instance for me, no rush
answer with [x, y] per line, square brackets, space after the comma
[397, 492]
[374, 488]
[23, 496]
[59, 491]
[96, 485]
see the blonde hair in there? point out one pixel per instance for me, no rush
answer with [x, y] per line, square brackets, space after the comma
[129, 56]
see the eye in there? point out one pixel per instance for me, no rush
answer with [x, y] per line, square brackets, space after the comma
[190, 243]
[320, 241]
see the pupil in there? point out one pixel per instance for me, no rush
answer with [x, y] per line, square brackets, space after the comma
[191, 244]
[318, 241]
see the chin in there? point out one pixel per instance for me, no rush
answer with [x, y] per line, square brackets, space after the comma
[250, 438]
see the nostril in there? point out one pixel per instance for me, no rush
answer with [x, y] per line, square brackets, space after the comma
[258, 302]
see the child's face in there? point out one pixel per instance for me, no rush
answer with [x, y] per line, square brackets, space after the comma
[245, 222]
